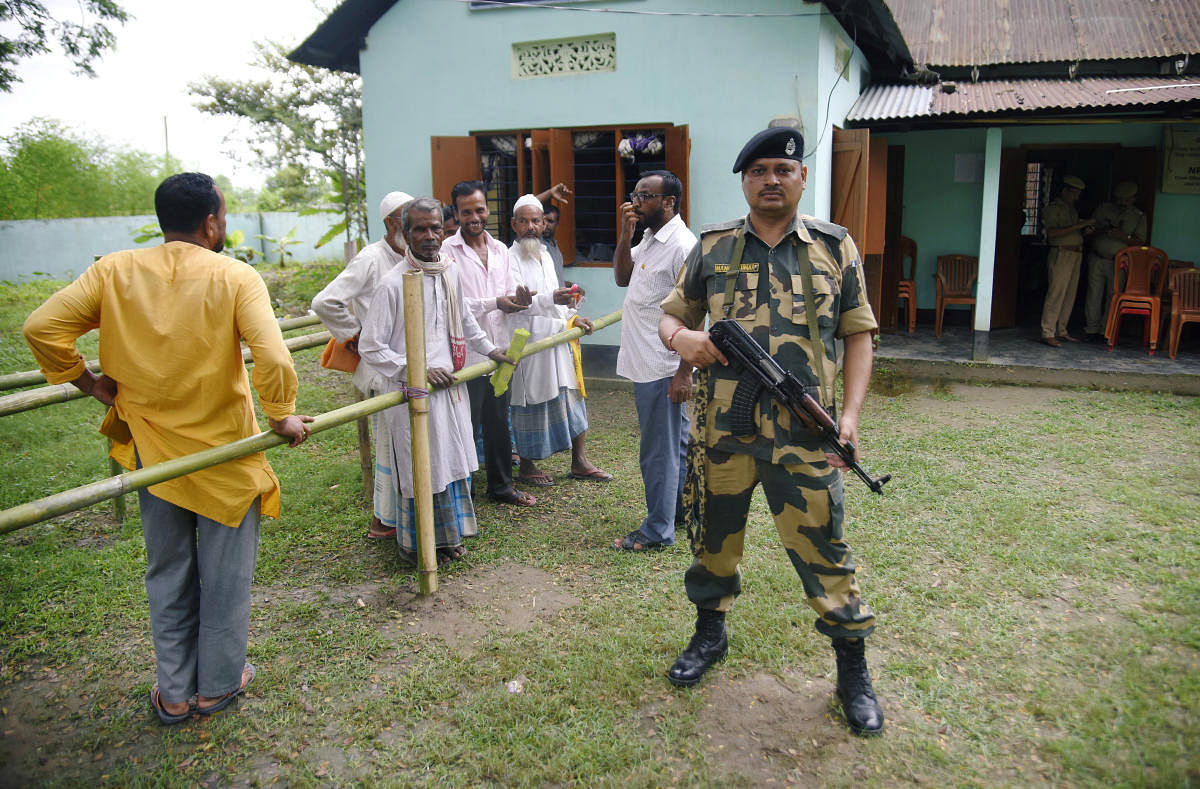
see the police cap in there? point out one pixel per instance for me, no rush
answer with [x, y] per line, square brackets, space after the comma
[1125, 190]
[780, 142]
[1075, 182]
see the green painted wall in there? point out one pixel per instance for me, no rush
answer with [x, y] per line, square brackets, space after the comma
[944, 217]
[438, 68]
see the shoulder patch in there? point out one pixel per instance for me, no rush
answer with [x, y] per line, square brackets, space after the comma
[732, 224]
[825, 228]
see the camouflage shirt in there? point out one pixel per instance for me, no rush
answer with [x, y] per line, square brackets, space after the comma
[772, 309]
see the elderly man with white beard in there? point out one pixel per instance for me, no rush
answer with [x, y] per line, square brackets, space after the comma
[342, 307]
[449, 329]
[549, 413]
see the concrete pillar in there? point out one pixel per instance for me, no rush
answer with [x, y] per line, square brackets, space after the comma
[987, 245]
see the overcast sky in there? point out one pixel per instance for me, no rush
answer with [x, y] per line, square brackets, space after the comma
[167, 44]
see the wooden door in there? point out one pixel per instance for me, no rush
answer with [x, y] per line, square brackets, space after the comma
[453, 159]
[893, 224]
[850, 182]
[1010, 218]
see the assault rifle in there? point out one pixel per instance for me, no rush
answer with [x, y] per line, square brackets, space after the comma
[756, 370]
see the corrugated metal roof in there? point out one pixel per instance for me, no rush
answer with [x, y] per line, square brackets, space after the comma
[887, 102]
[985, 32]
[882, 102]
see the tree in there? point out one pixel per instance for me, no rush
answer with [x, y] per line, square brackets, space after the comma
[301, 117]
[83, 41]
[51, 172]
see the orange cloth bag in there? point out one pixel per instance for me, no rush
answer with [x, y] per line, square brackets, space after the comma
[337, 356]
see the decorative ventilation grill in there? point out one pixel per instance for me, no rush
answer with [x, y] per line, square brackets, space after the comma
[559, 56]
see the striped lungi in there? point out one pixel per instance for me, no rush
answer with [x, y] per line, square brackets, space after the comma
[453, 518]
[543, 429]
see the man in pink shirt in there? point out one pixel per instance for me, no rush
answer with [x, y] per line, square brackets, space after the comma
[488, 292]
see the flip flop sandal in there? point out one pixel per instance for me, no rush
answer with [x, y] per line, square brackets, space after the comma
[595, 475]
[541, 480]
[165, 717]
[231, 696]
[387, 535]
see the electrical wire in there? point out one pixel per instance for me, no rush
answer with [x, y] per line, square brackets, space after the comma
[636, 12]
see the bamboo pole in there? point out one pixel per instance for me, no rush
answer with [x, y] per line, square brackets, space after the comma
[418, 420]
[35, 377]
[119, 501]
[366, 454]
[60, 393]
[66, 501]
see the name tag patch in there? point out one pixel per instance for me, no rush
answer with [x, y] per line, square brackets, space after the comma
[744, 268]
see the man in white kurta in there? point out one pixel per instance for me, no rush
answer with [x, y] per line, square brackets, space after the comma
[549, 413]
[449, 329]
[342, 306]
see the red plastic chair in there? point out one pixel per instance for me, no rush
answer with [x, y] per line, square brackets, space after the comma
[906, 289]
[955, 285]
[1185, 304]
[1144, 271]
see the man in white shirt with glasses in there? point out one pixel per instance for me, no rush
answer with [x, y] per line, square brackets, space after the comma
[662, 382]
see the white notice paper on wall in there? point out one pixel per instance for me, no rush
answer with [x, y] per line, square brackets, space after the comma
[968, 168]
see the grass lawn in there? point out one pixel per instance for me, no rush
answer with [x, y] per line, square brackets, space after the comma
[1034, 566]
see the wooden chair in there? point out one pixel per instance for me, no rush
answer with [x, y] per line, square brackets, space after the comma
[956, 276]
[1185, 304]
[906, 289]
[1144, 272]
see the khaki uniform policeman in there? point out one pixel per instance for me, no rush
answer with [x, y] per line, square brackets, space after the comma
[1119, 224]
[767, 257]
[1064, 233]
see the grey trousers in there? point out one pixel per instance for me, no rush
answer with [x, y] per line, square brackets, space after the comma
[198, 578]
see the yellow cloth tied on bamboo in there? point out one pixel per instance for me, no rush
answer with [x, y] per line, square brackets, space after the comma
[577, 357]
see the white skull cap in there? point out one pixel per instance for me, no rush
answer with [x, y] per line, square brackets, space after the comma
[391, 201]
[528, 200]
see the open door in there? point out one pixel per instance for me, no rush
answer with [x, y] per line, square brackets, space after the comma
[1140, 165]
[893, 224]
[857, 171]
[1010, 218]
[453, 159]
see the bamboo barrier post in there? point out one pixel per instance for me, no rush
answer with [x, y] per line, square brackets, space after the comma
[35, 377]
[366, 455]
[418, 419]
[73, 499]
[366, 458]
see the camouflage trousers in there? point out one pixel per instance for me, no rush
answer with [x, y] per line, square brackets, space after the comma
[807, 504]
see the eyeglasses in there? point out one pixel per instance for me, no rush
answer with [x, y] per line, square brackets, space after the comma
[637, 197]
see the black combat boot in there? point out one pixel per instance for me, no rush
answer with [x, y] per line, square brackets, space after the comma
[706, 647]
[854, 687]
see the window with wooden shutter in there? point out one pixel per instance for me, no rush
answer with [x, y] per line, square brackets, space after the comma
[601, 165]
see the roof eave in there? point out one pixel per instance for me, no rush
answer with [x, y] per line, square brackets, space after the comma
[336, 42]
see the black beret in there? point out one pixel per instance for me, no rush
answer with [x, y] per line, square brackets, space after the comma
[780, 142]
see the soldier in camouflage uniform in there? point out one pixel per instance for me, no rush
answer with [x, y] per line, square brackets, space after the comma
[757, 270]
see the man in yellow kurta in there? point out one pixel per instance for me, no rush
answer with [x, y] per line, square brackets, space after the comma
[171, 319]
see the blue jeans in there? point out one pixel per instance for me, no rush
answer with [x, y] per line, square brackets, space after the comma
[663, 457]
[198, 578]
